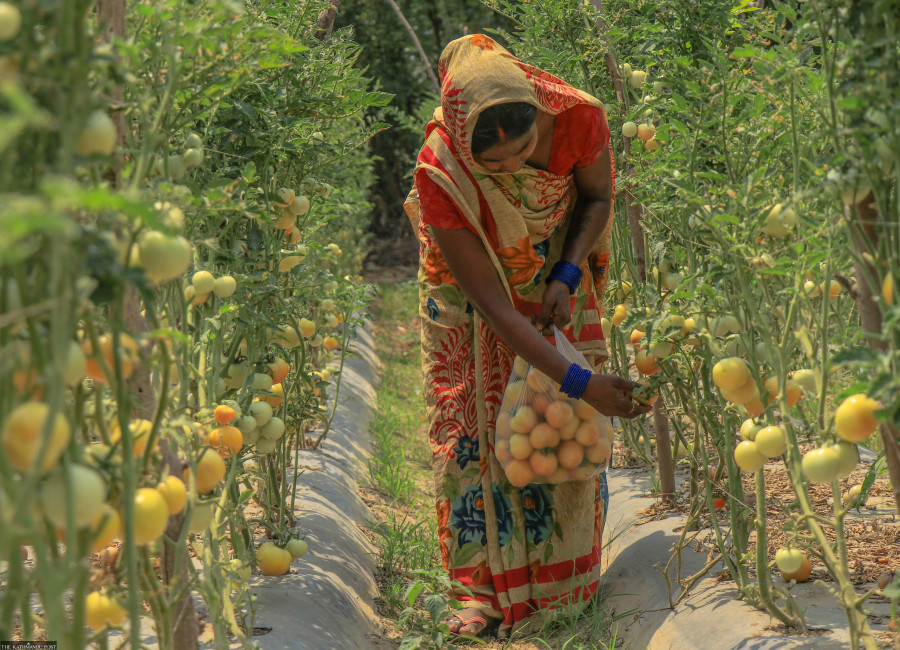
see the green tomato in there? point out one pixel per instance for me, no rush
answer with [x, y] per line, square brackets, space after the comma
[848, 458]
[821, 465]
[788, 560]
[771, 442]
[297, 548]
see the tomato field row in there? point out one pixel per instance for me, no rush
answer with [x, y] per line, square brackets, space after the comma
[183, 204]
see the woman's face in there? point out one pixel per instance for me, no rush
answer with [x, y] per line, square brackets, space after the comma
[511, 155]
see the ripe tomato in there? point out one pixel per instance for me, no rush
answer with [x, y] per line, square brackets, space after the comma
[543, 435]
[646, 363]
[748, 457]
[821, 465]
[524, 419]
[718, 503]
[520, 446]
[599, 452]
[210, 471]
[227, 440]
[128, 353]
[645, 395]
[619, 315]
[151, 514]
[544, 462]
[731, 373]
[86, 489]
[788, 560]
[101, 610]
[519, 472]
[223, 414]
[771, 441]
[646, 131]
[279, 368]
[307, 327]
[174, 491]
[855, 418]
[23, 437]
[588, 434]
[559, 414]
[277, 396]
[636, 338]
[330, 343]
[570, 454]
[754, 407]
[800, 575]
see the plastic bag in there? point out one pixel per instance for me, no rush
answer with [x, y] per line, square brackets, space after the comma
[544, 436]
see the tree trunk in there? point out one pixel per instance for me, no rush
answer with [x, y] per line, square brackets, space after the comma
[635, 216]
[412, 33]
[865, 235]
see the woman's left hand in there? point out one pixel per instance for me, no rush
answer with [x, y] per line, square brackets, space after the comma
[555, 308]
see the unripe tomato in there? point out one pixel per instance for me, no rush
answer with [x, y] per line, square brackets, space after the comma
[780, 221]
[193, 141]
[748, 457]
[261, 381]
[193, 158]
[98, 135]
[800, 575]
[299, 206]
[201, 516]
[848, 458]
[851, 496]
[162, 257]
[887, 289]
[821, 465]
[265, 446]
[731, 373]
[272, 560]
[203, 281]
[23, 437]
[140, 434]
[855, 418]
[76, 365]
[99, 610]
[742, 394]
[637, 79]
[10, 21]
[224, 287]
[749, 429]
[771, 441]
[210, 470]
[236, 375]
[174, 491]
[273, 429]
[261, 412]
[788, 560]
[629, 129]
[297, 548]
[84, 486]
[151, 514]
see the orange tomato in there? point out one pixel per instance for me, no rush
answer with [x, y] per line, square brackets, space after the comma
[570, 454]
[543, 435]
[544, 463]
[227, 440]
[646, 363]
[559, 414]
[279, 369]
[128, 352]
[223, 414]
[519, 472]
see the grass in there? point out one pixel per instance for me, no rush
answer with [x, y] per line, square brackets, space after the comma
[412, 583]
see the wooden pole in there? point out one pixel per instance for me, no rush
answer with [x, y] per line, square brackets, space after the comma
[325, 23]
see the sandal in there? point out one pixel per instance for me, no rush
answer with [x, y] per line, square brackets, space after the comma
[467, 618]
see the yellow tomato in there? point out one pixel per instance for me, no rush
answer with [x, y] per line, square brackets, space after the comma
[748, 457]
[619, 315]
[277, 396]
[151, 514]
[210, 470]
[140, 434]
[174, 491]
[23, 436]
[201, 517]
[855, 418]
[731, 373]
[273, 560]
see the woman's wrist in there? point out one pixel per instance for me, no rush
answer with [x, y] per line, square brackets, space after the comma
[567, 273]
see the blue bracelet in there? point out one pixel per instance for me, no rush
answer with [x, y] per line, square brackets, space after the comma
[575, 381]
[567, 273]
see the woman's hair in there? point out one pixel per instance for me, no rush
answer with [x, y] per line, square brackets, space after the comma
[500, 123]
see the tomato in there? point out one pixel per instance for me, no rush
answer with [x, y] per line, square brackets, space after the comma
[307, 327]
[75, 365]
[98, 135]
[811, 289]
[193, 158]
[606, 326]
[588, 434]
[855, 418]
[661, 349]
[570, 454]
[887, 289]
[273, 429]
[834, 288]
[10, 21]
[636, 337]
[501, 450]
[84, 486]
[749, 429]
[629, 129]
[272, 560]
[100, 610]
[742, 394]
[151, 514]
[297, 547]
[544, 462]
[754, 407]
[265, 446]
[646, 363]
[23, 436]
[129, 354]
[788, 560]
[299, 206]
[731, 373]
[201, 517]
[261, 412]
[646, 394]
[599, 452]
[519, 472]
[771, 441]
[140, 435]
[780, 221]
[331, 343]
[277, 397]
[174, 491]
[162, 257]
[224, 287]
[800, 575]
[520, 446]
[559, 414]
[279, 369]
[223, 414]
[227, 440]
[724, 325]
[619, 315]
[718, 503]
[203, 281]
[210, 471]
[106, 527]
[646, 132]
[524, 419]
[748, 457]
[543, 435]
[848, 458]
[821, 465]
[851, 496]
[805, 379]
[261, 382]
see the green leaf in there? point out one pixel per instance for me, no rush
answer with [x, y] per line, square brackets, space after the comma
[877, 469]
[411, 643]
[451, 486]
[413, 591]
[466, 552]
[436, 606]
[892, 591]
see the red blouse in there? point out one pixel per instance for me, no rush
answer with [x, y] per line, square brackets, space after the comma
[578, 134]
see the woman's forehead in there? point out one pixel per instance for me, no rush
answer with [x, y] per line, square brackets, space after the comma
[507, 148]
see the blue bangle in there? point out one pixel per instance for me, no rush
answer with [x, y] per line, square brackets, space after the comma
[575, 381]
[567, 273]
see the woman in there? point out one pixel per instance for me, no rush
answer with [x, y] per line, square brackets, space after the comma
[511, 207]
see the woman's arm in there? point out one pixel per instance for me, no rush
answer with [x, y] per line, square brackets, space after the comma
[477, 278]
[588, 221]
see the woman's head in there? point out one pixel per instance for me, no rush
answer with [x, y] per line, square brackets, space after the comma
[505, 135]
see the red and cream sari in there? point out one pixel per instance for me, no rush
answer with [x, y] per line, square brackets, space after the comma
[519, 550]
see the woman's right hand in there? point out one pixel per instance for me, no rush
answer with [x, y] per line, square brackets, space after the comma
[611, 395]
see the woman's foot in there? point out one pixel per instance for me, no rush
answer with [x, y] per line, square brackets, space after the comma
[470, 621]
